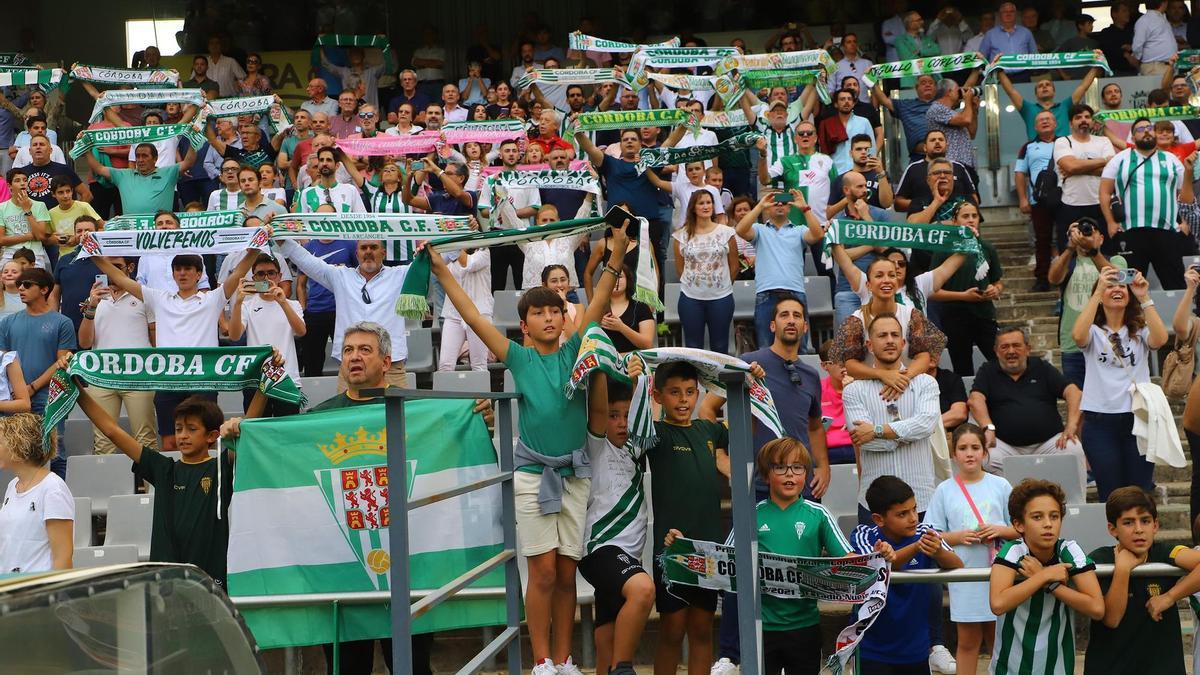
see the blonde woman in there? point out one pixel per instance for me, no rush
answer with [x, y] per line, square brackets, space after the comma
[37, 516]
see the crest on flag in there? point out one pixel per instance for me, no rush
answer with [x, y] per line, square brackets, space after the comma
[358, 497]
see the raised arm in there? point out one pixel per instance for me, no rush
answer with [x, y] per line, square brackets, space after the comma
[882, 98]
[1183, 311]
[235, 277]
[108, 426]
[495, 340]
[942, 273]
[598, 306]
[406, 192]
[1081, 91]
[214, 140]
[188, 159]
[97, 168]
[118, 278]
[1013, 94]
[594, 154]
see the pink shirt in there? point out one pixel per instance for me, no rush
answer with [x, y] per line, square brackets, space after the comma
[831, 406]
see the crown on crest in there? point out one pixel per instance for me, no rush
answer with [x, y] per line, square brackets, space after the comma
[361, 443]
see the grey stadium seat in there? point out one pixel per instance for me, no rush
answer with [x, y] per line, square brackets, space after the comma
[100, 477]
[99, 556]
[130, 520]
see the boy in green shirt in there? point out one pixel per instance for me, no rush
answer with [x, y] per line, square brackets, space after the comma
[687, 504]
[790, 525]
[1036, 581]
[552, 481]
[1140, 627]
[63, 216]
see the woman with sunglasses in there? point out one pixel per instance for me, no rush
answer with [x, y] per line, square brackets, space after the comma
[255, 83]
[966, 304]
[924, 341]
[1118, 337]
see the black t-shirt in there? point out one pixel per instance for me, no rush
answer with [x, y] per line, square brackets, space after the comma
[40, 177]
[74, 279]
[264, 154]
[1025, 411]
[186, 527]
[633, 315]
[950, 389]
[1138, 644]
[872, 177]
[914, 186]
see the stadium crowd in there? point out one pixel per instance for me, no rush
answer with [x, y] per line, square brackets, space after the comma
[1107, 199]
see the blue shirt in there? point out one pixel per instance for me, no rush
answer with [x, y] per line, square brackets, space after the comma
[74, 279]
[36, 339]
[780, 261]
[624, 184]
[796, 402]
[1032, 159]
[998, 41]
[9, 122]
[912, 117]
[336, 252]
[841, 154]
[901, 634]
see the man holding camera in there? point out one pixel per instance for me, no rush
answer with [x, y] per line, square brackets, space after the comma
[1149, 184]
[866, 162]
[1076, 269]
[1079, 159]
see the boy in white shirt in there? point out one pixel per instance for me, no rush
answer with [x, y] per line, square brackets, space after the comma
[263, 312]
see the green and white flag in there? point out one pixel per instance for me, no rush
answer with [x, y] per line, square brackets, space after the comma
[656, 157]
[145, 98]
[355, 226]
[563, 76]
[1188, 59]
[140, 78]
[252, 105]
[196, 241]
[633, 119]
[898, 234]
[187, 220]
[862, 580]
[1016, 62]
[169, 369]
[1166, 112]
[934, 65]
[96, 138]
[311, 510]
[587, 43]
[25, 77]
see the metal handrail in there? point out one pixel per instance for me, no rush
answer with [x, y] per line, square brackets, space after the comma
[400, 596]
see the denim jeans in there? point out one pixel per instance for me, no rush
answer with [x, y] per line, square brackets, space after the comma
[764, 313]
[714, 315]
[845, 303]
[1112, 452]
[1074, 368]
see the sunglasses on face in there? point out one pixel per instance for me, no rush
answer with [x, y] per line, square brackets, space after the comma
[806, 133]
[26, 284]
[368, 115]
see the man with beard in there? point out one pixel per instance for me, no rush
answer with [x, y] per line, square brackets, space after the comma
[1015, 399]
[914, 187]
[1150, 184]
[1080, 158]
[525, 202]
[1044, 92]
[834, 133]
[327, 190]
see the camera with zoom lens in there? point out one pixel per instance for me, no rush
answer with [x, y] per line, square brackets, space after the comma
[977, 92]
[1086, 226]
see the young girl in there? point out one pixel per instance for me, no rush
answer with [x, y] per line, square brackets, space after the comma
[970, 512]
[37, 516]
[267, 176]
[472, 268]
[707, 259]
[475, 160]
[558, 279]
[534, 154]
[11, 302]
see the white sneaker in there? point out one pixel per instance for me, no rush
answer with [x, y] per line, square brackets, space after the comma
[941, 661]
[568, 668]
[724, 667]
[546, 667]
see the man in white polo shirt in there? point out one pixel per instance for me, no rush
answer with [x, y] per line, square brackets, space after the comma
[115, 319]
[184, 318]
[364, 293]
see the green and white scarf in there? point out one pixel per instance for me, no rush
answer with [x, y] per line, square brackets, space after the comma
[562, 76]
[15, 60]
[926, 237]
[140, 78]
[934, 65]
[356, 226]
[145, 98]
[412, 304]
[187, 220]
[655, 157]
[252, 105]
[731, 88]
[724, 119]
[671, 57]
[195, 241]
[686, 82]
[812, 58]
[25, 77]
[173, 369]
[1016, 62]
[633, 119]
[97, 138]
[587, 43]
[596, 352]
[564, 179]
[379, 42]
[861, 579]
[1188, 59]
[1167, 112]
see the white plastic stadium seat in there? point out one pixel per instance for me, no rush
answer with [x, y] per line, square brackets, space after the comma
[83, 522]
[99, 556]
[1087, 525]
[130, 521]
[504, 311]
[100, 477]
[420, 351]
[462, 380]
[1062, 469]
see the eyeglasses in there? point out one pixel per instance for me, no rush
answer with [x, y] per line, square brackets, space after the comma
[793, 370]
[366, 297]
[784, 469]
[368, 115]
[1143, 128]
[229, 168]
[266, 274]
[255, 61]
[900, 264]
[1114, 339]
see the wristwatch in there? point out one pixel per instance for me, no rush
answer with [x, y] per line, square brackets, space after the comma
[878, 431]
[990, 427]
